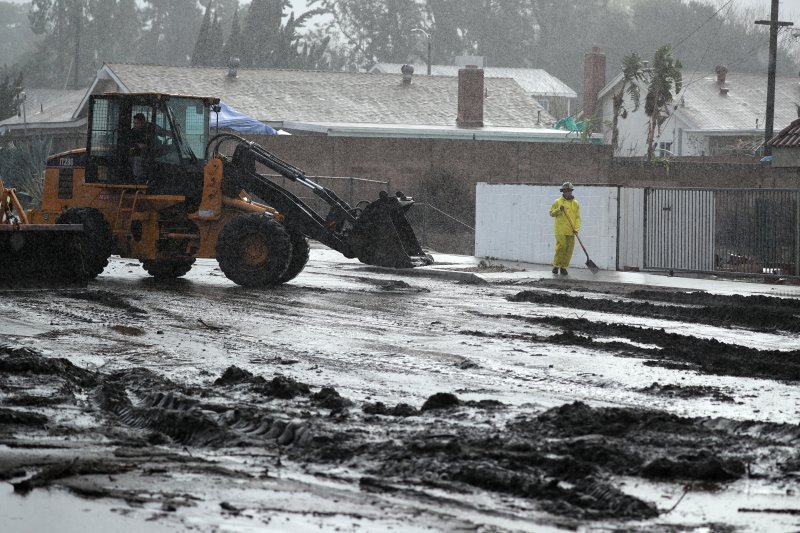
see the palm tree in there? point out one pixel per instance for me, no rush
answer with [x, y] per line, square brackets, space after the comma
[632, 74]
[664, 82]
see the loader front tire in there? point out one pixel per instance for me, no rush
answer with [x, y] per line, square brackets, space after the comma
[96, 241]
[300, 251]
[167, 269]
[254, 250]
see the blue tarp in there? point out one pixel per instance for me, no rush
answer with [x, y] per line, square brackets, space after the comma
[568, 123]
[233, 120]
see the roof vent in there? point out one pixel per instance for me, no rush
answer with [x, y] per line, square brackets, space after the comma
[408, 73]
[233, 67]
[723, 91]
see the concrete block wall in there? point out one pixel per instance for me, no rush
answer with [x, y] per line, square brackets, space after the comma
[405, 161]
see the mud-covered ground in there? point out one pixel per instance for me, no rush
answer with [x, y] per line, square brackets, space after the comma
[355, 399]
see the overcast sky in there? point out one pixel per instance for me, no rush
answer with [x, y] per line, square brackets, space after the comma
[787, 6]
[789, 9]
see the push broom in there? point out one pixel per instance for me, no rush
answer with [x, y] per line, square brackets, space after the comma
[589, 263]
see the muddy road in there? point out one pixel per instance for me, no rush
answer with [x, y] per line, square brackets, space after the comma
[355, 399]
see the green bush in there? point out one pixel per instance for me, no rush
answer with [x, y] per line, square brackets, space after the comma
[22, 165]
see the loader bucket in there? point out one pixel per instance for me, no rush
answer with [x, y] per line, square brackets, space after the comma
[41, 256]
[382, 235]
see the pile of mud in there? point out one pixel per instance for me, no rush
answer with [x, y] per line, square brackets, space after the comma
[565, 460]
[759, 313]
[673, 350]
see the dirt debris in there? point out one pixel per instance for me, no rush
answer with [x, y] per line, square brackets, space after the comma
[167, 412]
[760, 313]
[440, 400]
[234, 375]
[672, 350]
[564, 460]
[379, 408]
[107, 299]
[283, 387]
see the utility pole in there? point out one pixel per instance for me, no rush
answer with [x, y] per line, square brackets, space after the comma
[774, 24]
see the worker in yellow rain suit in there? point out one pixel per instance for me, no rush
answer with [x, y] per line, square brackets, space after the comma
[565, 206]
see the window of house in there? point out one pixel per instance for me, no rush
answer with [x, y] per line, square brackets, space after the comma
[664, 149]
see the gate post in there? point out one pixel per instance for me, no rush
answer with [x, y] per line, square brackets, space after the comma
[797, 235]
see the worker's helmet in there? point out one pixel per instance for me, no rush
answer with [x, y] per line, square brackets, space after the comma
[567, 186]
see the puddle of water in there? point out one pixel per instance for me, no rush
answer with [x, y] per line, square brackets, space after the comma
[723, 505]
[58, 510]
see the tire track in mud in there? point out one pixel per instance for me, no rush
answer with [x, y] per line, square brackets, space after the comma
[141, 399]
[563, 460]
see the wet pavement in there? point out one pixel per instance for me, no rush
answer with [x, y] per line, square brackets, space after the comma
[469, 267]
[469, 395]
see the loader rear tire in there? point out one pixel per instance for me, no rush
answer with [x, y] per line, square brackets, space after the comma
[254, 251]
[167, 269]
[96, 241]
[300, 251]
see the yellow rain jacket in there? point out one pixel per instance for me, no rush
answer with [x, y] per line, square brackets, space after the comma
[573, 209]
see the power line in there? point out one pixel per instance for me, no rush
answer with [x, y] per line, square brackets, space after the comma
[713, 38]
[703, 24]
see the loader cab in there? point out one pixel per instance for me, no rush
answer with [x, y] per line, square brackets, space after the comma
[152, 140]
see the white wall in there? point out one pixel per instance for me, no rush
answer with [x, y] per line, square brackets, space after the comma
[513, 223]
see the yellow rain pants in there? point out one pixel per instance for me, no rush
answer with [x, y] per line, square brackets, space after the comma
[565, 237]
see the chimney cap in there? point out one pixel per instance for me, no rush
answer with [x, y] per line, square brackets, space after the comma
[723, 91]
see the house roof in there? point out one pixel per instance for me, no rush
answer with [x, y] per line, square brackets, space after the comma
[532, 80]
[743, 109]
[277, 96]
[788, 136]
[46, 107]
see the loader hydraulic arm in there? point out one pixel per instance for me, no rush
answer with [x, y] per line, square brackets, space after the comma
[378, 234]
[330, 231]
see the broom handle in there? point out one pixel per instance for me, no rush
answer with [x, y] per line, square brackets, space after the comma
[571, 225]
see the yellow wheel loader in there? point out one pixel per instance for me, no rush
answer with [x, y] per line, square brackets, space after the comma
[152, 185]
[37, 255]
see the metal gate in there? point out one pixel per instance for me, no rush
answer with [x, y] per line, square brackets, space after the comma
[679, 229]
[755, 231]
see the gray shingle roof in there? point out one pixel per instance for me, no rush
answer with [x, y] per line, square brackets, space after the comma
[321, 96]
[745, 102]
[533, 80]
[702, 105]
[48, 106]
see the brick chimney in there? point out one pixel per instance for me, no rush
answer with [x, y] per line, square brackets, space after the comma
[470, 97]
[594, 79]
